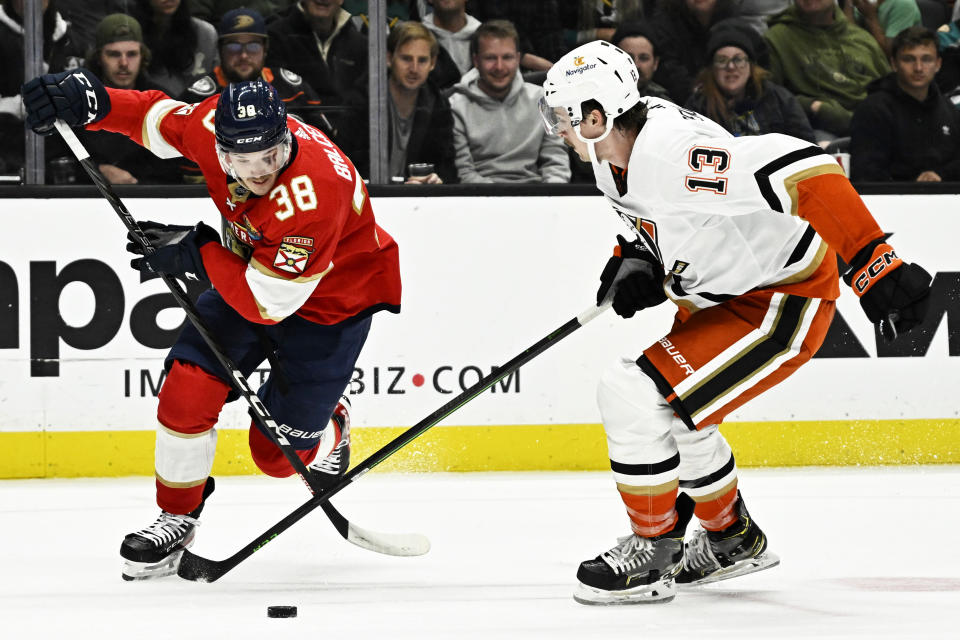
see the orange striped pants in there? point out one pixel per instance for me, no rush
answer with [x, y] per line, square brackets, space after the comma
[661, 411]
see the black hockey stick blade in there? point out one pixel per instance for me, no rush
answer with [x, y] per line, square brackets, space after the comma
[396, 544]
[194, 567]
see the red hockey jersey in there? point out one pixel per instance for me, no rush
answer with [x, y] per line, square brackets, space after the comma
[311, 246]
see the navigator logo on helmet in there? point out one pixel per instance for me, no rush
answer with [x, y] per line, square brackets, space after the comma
[594, 71]
[250, 124]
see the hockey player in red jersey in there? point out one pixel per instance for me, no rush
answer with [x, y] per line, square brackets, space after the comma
[742, 235]
[304, 268]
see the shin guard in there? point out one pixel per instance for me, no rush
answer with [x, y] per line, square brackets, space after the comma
[190, 403]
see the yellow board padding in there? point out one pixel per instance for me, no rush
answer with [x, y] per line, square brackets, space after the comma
[562, 447]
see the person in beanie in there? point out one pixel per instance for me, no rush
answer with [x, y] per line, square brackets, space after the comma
[119, 54]
[736, 93]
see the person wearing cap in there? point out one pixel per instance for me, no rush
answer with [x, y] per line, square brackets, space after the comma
[242, 42]
[637, 39]
[736, 93]
[119, 53]
[118, 58]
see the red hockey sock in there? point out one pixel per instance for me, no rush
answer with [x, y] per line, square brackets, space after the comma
[270, 459]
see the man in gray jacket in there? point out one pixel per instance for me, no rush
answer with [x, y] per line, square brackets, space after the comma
[496, 132]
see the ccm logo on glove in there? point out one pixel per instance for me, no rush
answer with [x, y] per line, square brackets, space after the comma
[91, 97]
[883, 258]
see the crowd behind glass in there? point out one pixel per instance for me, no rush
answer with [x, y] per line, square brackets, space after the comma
[877, 84]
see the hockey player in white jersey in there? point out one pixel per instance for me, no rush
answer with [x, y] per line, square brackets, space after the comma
[742, 235]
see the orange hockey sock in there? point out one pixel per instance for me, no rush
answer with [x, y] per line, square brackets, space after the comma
[718, 513]
[651, 515]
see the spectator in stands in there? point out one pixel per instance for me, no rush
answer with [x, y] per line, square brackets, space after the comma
[421, 124]
[117, 58]
[883, 20]
[453, 28]
[636, 38]
[681, 28]
[826, 61]
[317, 40]
[242, 44]
[736, 93]
[497, 132]
[60, 52]
[538, 24]
[905, 130]
[183, 47]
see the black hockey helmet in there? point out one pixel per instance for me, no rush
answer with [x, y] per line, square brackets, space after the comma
[250, 117]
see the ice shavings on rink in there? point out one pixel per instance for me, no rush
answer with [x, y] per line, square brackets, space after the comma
[866, 553]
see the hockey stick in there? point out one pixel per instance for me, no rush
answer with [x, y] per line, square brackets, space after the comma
[387, 543]
[194, 567]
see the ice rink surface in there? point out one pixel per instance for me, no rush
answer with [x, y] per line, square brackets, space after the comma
[866, 553]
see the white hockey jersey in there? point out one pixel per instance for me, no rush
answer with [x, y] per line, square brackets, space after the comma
[719, 212]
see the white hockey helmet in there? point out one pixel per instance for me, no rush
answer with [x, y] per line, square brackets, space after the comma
[594, 71]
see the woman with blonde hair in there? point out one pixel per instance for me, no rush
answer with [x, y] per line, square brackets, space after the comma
[736, 92]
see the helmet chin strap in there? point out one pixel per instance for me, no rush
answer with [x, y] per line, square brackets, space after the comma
[592, 142]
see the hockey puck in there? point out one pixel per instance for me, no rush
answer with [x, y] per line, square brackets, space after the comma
[283, 611]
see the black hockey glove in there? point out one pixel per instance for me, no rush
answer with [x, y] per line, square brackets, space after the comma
[633, 279]
[893, 293]
[177, 249]
[77, 97]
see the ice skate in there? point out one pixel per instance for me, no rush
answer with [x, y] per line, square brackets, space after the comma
[328, 468]
[155, 551]
[636, 571]
[740, 549]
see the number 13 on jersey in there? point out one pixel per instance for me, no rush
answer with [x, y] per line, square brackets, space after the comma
[708, 163]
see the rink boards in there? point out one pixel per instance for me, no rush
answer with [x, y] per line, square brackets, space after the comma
[82, 344]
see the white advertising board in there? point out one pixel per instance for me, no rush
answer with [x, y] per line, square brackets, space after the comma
[484, 278]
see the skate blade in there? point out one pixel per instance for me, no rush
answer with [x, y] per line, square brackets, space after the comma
[146, 571]
[656, 593]
[765, 560]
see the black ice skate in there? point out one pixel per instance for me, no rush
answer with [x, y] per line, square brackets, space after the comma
[328, 469]
[155, 551]
[638, 570]
[711, 556]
